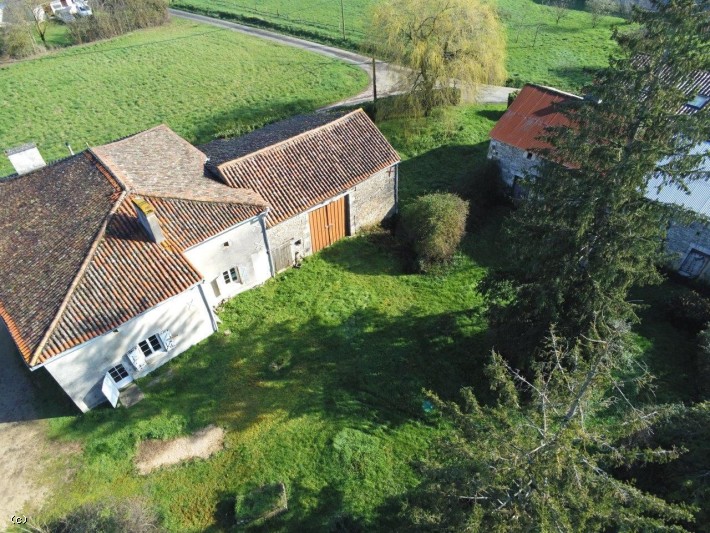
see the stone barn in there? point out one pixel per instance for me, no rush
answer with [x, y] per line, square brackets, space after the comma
[324, 176]
[516, 143]
[516, 137]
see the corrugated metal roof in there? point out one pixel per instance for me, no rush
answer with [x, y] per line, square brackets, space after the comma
[532, 111]
[696, 198]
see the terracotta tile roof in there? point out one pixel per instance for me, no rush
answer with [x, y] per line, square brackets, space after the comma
[537, 108]
[85, 265]
[127, 275]
[49, 221]
[189, 223]
[223, 150]
[533, 111]
[303, 171]
[158, 162]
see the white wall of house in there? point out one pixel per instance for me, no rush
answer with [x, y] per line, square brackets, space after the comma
[242, 248]
[80, 371]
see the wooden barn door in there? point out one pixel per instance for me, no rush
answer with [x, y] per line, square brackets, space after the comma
[328, 224]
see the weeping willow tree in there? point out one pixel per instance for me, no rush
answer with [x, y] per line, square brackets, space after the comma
[441, 43]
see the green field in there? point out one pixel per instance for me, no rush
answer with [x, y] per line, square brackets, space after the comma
[198, 79]
[539, 49]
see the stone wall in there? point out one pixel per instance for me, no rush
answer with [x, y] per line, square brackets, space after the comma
[368, 203]
[513, 161]
[291, 236]
[374, 200]
[682, 238]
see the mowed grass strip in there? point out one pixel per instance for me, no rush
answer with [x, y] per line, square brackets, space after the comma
[198, 79]
[539, 49]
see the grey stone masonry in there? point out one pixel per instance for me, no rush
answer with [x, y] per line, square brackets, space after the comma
[368, 203]
[684, 239]
[294, 232]
[514, 162]
[374, 200]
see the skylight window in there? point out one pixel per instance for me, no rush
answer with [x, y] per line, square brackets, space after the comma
[699, 101]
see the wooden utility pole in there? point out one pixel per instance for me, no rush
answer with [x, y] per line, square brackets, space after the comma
[374, 86]
[342, 17]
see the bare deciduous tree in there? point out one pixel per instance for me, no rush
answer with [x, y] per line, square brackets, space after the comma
[600, 8]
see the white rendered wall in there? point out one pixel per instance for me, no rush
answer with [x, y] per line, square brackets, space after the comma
[243, 247]
[81, 371]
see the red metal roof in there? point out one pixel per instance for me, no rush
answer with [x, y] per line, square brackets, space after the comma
[525, 121]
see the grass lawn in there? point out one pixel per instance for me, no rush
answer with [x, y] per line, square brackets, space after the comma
[539, 49]
[198, 79]
[357, 337]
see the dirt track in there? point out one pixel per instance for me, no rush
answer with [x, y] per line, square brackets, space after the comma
[23, 443]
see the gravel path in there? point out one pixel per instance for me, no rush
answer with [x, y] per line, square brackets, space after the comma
[389, 77]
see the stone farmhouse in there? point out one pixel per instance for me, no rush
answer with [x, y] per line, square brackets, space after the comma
[516, 143]
[114, 259]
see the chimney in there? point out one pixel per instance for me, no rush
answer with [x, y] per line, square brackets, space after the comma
[25, 158]
[148, 218]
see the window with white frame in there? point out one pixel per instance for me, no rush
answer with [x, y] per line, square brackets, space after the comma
[118, 373]
[231, 276]
[150, 345]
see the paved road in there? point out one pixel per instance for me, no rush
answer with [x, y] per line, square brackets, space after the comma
[389, 77]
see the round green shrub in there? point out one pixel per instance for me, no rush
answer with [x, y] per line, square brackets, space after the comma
[433, 225]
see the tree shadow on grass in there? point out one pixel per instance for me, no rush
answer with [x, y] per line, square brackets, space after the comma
[490, 114]
[448, 168]
[366, 368]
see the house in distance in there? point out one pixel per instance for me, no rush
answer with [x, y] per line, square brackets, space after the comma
[516, 143]
[115, 258]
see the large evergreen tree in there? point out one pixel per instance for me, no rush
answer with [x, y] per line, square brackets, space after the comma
[586, 234]
[540, 459]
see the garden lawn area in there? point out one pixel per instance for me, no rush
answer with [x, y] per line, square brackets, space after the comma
[539, 49]
[198, 79]
[317, 376]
